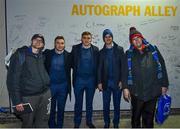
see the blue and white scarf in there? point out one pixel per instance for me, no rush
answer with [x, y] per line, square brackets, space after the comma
[155, 57]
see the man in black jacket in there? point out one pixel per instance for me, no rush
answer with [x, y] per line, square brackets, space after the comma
[84, 64]
[110, 77]
[146, 79]
[58, 65]
[28, 82]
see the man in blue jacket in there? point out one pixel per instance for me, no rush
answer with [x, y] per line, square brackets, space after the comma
[85, 60]
[110, 77]
[58, 65]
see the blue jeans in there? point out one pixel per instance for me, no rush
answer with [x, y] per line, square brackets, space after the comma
[89, 88]
[116, 102]
[59, 96]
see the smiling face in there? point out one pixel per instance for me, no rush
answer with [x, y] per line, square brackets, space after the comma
[108, 39]
[37, 43]
[59, 44]
[86, 38]
[137, 42]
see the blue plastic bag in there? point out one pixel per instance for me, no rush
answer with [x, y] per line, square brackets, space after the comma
[163, 108]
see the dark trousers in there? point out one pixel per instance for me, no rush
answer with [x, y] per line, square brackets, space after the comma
[89, 88]
[38, 118]
[116, 92]
[59, 96]
[144, 109]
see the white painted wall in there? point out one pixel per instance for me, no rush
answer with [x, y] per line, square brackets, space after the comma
[53, 17]
[4, 100]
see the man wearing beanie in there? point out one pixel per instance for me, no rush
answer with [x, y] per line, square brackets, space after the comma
[28, 82]
[84, 64]
[110, 77]
[146, 79]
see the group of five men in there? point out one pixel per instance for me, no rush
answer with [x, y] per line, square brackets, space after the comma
[140, 73]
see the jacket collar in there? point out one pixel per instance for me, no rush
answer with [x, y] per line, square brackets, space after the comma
[114, 45]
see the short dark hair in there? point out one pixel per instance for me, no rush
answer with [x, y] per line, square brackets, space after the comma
[58, 37]
[86, 33]
[38, 36]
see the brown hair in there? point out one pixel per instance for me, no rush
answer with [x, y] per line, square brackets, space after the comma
[86, 33]
[58, 37]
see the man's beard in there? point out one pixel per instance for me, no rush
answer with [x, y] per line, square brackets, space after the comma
[39, 48]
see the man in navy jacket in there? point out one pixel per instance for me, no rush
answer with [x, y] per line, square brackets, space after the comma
[58, 65]
[110, 77]
[85, 60]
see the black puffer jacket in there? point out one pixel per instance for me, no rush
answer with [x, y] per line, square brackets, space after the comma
[146, 85]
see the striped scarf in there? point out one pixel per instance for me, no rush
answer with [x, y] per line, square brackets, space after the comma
[155, 57]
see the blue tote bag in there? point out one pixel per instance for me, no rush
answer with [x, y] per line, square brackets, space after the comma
[163, 108]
